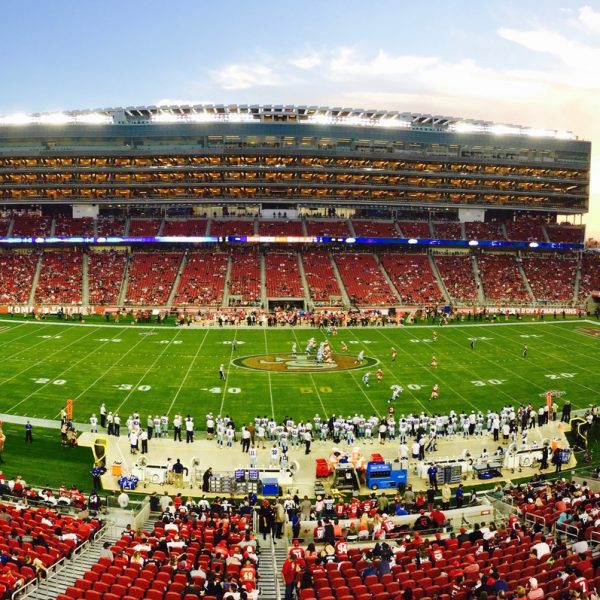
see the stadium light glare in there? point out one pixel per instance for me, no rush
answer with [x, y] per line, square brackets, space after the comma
[93, 119]
[533, 132]
[462, 127]
[473, 243]
[165, 117]
[16, 119]
[504, 130]
[533, 244]
[54, 119]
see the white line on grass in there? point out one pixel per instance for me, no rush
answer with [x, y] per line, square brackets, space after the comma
[225, 384]
[395, 344]
[45, 357]
[312, 379]
[189, 370]
[593, 345]
[552, 356]
[269, 377]
[139, 382]
[107, 370]
[357, 383]
[84, 358]
[26, 350]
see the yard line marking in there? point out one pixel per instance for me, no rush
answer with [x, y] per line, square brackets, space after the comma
[354, 378]
[567, 362]
[107, 370]
[313, 380]
[225, 384]
[269, 377]
[395, 344]
[62, 372]
[45, 358]
[134, 388]
[28, 349]
[187, 372]
[592, 346]
[7, 328]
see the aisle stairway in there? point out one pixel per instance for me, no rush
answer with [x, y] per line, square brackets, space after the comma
[272, 557]
[73, 569]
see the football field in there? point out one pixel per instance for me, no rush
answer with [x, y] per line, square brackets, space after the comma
[157, 370]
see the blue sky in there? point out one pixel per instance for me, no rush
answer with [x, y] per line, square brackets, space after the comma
[514, 61]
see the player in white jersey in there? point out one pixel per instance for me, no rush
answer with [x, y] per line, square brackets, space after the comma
[94, 423]
[294, 350]
[396, 391]
[365, 379]
[360, 358]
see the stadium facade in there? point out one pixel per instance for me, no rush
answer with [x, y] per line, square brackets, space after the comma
[454, 184]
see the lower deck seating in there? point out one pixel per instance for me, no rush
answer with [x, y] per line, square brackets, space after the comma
[320, 277]
[283, 275]
[105, 276]
[413, 278]
[61, 277]
[151, 277]
[203, 279]
[17, 270]
[501, 278]
[457, 273]
[552, 279]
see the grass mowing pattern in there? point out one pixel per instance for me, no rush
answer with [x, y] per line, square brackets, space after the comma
[157, 370]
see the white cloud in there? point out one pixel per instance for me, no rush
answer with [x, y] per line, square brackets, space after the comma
[347, 63]
[590, 18]
[244, 76]
[308, 61]
[571, 53]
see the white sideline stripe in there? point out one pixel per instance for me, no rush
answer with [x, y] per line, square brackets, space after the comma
[187, 373]
[169, 327]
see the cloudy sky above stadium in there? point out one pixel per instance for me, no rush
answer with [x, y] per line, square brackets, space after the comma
[512, 61]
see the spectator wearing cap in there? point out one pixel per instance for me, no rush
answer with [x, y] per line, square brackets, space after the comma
[471, 569]
[535, 592]
[463, 536]
[423, 522]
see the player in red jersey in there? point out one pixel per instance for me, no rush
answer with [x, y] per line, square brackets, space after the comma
[435, 390]
[379, 375]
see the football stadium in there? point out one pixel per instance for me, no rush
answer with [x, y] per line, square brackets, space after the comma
[296, 351]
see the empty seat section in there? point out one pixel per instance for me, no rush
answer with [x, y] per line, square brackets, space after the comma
[320, 277]
[501, 278]
[412, 277]
[363, 280]
[151, 277]
[283, 275]
[458, 277]
[203, 279]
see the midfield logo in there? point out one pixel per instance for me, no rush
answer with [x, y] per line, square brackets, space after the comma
[286, 363]
[593, 331]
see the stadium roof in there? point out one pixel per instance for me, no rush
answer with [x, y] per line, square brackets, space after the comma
[315, 115]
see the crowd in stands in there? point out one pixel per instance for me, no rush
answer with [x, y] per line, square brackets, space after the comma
[33, 539]
[245, 277]
[61, 278]
[151, 277]
[203, 279]
[501, 278]
[552, 279]
[458, 277]
[31, 226]
[283, 275]
[364, 280]
[590, 275]
[110, 226]
[17, 270]
[320, 277]
[197, 549]
[413, 278]
[105, 276]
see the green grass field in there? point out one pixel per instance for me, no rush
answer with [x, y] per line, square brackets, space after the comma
[168, 369]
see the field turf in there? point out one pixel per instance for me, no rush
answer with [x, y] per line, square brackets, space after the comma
[154, 370]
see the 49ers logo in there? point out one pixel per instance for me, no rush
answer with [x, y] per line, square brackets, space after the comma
[593, 331]
[286, 363]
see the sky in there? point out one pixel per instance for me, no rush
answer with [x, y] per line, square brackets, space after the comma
[527, 62]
